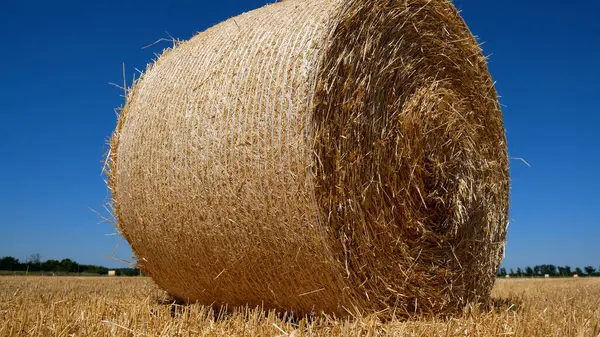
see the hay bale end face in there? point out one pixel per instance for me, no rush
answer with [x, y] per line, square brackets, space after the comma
[318, 155]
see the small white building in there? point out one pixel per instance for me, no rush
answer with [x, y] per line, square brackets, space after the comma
[546, 276]
[112, 273]
[575, 275]
[507, 276]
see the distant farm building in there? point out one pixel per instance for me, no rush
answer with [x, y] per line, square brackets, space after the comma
[112, 273]
[575, 275]
[546, 276]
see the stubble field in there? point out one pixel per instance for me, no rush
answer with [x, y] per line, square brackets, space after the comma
[102, 306]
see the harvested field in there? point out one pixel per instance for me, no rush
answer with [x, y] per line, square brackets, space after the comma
[72, 306]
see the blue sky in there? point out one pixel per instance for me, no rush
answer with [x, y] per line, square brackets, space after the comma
[57, 111]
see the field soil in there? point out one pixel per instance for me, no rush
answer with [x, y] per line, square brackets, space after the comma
[103, 306]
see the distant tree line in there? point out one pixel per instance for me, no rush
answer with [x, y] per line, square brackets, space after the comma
[550, 270]
[35, 264]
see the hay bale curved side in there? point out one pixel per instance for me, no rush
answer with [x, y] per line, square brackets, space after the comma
[318, 155]
[210, 165]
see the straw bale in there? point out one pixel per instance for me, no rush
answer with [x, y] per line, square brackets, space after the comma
[318, 155]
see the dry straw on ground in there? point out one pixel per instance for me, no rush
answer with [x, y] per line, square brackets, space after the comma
[318, 155]
[134, 307]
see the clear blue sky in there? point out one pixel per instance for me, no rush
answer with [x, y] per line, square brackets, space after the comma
[56, 108]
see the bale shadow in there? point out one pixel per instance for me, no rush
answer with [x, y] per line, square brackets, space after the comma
[220, 313]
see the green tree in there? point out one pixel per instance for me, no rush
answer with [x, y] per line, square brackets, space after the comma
[51, 266]
[68, 266]
[549, 269]
[519, 272]
[529, 271]
[93, 269]
[578, 271]
[590, 271]
[502, 272]
[9, 263]
[568, 271]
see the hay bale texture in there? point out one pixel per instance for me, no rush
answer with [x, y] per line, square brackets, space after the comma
[318, 155]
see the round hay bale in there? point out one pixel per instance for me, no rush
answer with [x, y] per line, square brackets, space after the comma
[318, 155]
